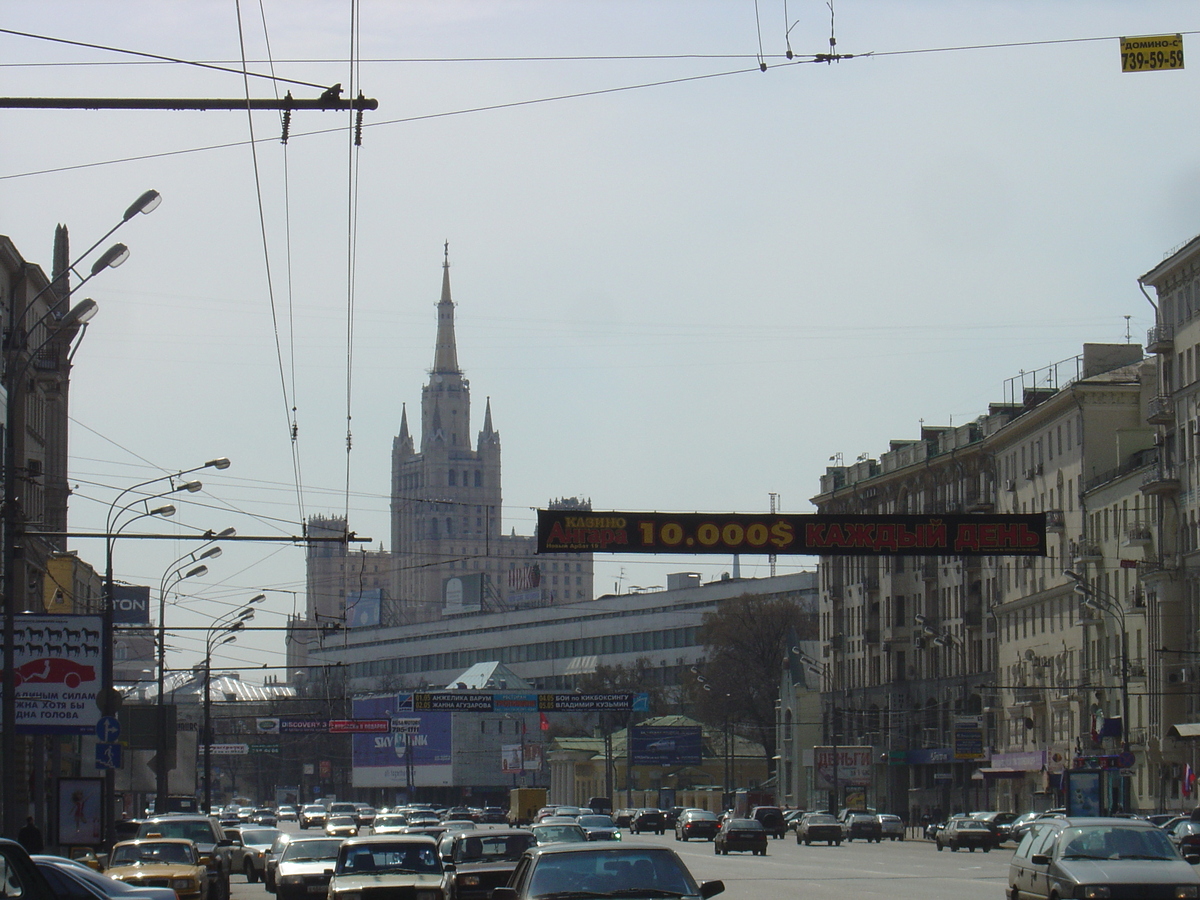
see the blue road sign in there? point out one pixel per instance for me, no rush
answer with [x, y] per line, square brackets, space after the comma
[108, 729]
[108, 756]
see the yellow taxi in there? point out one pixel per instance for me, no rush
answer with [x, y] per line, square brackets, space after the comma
[160, 862]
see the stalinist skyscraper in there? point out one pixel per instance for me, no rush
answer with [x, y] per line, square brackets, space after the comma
[449, 550]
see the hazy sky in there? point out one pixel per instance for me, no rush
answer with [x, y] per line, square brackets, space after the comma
[681, 296]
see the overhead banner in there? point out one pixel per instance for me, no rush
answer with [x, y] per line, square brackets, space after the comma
[566, 531]
[57, 666]
[486, 701]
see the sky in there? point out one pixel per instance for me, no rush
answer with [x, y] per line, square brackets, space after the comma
[684, 283]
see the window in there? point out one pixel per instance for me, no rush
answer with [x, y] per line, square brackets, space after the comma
[453, 478]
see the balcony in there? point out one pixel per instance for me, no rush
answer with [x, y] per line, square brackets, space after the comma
[980, 503]
[1056, 521]
[1161, 411]
[1160, 480]
[1087, 551]
[1160, 339]
[1137, 535]
[871, 634]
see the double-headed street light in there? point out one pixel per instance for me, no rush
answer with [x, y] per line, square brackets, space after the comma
[225, 629]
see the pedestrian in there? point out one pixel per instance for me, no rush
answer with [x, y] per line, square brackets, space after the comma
[30, 837]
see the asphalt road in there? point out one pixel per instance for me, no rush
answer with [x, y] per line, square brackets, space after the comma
[894, 870]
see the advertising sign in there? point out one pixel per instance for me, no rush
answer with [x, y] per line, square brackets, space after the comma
[652, 745]
[422, 751]
[845, 766]
[486, 701]
[1152, 52]
[968, 737]
[57, 663]
[462, 594]
[131, 604]
[364, 609]
[79, 811]
[998, 534]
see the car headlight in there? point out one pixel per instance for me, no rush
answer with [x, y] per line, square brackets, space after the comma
[1184, 891]
[291, 879]
[1095, 892]
[185, 885]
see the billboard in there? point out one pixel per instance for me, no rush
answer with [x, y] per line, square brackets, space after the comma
[364, 609]
[57, 661]
[657, 745]
[517, 757]
[131, 604]
[841, 766]
[385, 759]
[991, 534]
[462, 594]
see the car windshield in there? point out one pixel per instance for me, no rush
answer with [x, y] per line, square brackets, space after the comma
[153, 854]
[200, 832]
[1114, 842]
[820, 820]
[551, 834]
[337, 821]
[385, 821]
[408, 857]
[695, 814]
[260, 836]
[596, 822]
[492, 848]
[310, 851]
[641, 872]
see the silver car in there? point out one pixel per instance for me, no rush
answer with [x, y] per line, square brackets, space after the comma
[250, 856]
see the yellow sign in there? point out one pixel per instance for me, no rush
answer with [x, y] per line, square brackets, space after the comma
[1150, 53]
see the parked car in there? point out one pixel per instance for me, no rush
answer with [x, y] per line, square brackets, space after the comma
[484, 859]
[771, 818]
[648, 820]
[605, 869]
[1086, 857]
[599, 828]
[303, 867]
[865, 826]
[741, 834]
[891, 827]
[211, 844]
[393, 865]
[80, 882]
[696, 823]
[819, 827]
[969, 833]
[161, 862]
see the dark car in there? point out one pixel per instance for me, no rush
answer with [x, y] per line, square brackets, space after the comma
[1086, 857]
[212, 845]
[21, 877]
[864, 826]
[1000, 823]
[271, 862]
[741, 834]
[492, 815]
[969, 833]
[458, 814]
[604, 869]
[484, 859]
[1185, 835]
[696, 823]
[819, 827]
[771, 818]
[671, 815]
[648, 820]
[623, 817]
[599, 828]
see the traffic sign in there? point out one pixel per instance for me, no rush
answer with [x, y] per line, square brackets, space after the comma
[108, 756]
[108, 729]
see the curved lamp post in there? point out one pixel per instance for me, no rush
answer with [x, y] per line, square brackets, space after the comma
[224, 628]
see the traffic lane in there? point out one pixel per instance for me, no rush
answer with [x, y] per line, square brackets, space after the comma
[897, 869]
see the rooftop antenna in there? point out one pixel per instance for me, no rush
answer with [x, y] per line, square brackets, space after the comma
[1128, 336]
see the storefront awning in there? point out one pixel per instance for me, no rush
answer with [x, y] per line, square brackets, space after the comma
[999, 772]
[1191, 730]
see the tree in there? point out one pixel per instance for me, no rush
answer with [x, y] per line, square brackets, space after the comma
[745, 641]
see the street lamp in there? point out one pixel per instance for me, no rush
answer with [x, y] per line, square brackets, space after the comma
[1096, 599]
[224, 628]
[189, 565]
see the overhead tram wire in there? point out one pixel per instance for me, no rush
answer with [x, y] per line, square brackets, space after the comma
[262, 225]
[294, 421]
[799, 58]
[352, 173]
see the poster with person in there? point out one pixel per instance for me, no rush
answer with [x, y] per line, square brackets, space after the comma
[79, 811]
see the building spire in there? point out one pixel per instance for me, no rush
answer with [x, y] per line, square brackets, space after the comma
[445, 358]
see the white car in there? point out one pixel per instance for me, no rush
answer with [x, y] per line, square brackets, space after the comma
[891, 827]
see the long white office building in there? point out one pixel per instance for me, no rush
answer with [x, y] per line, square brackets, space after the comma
[550, 647]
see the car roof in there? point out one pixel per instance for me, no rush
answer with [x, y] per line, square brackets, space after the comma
[389, 839]
[150, 840]
[597, 847]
